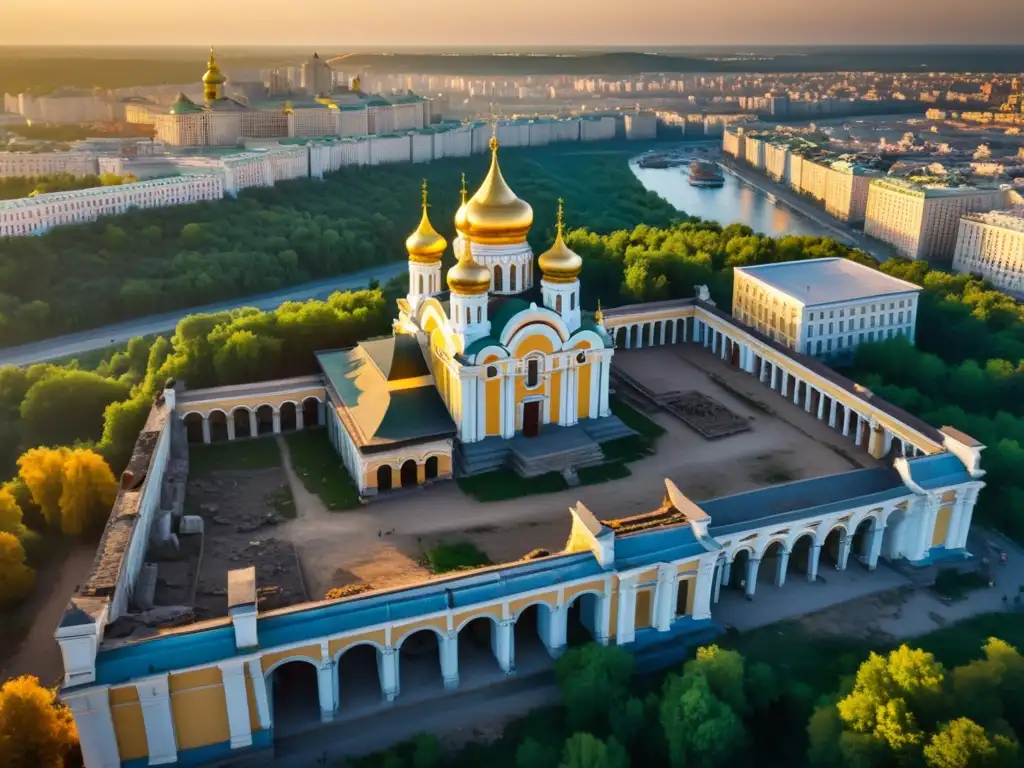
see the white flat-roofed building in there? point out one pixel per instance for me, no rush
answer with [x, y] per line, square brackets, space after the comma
[824, 307]
[992, 245]
[846, 190]
[641, 125]
[40, 163]
[754, 150]
[921, 222]
[733, 141]
[35, 215]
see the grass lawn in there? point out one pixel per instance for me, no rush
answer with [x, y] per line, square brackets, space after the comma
[503, 484]
[635, 420]
[455, 556]
[319, 466]
[282, 502]
[260, 453]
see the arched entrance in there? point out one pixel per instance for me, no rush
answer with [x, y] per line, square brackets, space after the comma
[243, 428]
[294, 698]
[892, 537]
[194, 427]
[581, 620]
[419, 664]
[477, 659]
[288, 419]
[833, 546]
[769, 571]
[359, 685]
[430, 469]
[310, 413]
[656, 332]
[408, 474]
[218, 426]
[384, 478]
[801, 554]
[499, 283]
[532, 626]
[264, 420]
[861, 548]
[738, 572]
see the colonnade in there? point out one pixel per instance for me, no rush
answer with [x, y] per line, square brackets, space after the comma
[841, 413]
[253, 423]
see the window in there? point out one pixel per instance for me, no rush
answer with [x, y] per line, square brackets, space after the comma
[572, 301]
[841, 323]
[818, 348]
[810, 331]
[890, 318]
[828, 345]
[860, 338]
[558, 303]
[901, 316]
[581, 358]
[498, 282]
[808, 347]
[831, 328]
[492, 371]
[512, 277]
[532, 372]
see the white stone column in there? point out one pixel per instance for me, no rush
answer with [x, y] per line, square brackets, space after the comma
[662, 331]
[796, 391]
[603, 618]
[629, 344]
[277, 422]
[832, 413]
[928, 507]
[719, 573]
[702, 587]
[875, 545]
[625, 630]
[783, 383]
[727, 572]
[966, 514]
[508, 407]
[387, 671]
[552, 627]
[155, 699]
[724, 352]
[821, 405]
[502, 641]
[858, 438]
[254, 427]
[752, 565]
[206, 430]
[259, 687]
[300, 417]
[675, 329]
[96, 737]
[233, 675]
[846, 421]
[807, 397]
[449, 648]
[231, 426]
[606, 368]
[844, 551]
[319, 412]
[780, 569]
[327, 687]
[813, 558]
[685, 333]
[665, 597]
[766, 370]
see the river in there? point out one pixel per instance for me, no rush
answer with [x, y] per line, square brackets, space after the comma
[734, 202]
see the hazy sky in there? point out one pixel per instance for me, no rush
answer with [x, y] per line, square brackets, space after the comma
[508, 22]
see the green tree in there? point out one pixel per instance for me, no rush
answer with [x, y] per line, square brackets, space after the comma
[532, 754]
[701, 730]
[67, 406]
[583, 750]
[594, 679]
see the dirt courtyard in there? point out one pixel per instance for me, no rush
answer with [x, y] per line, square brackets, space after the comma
[382, 543]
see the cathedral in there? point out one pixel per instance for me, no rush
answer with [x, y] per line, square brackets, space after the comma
[471, 368]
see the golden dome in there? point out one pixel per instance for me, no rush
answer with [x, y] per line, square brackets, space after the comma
[559, 263]
[213, 74]
[460, 215]
[494, 215]
[468, 277]
[425, 245]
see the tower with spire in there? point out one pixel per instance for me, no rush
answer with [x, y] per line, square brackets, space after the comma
[560, 284]
[425, 247]
[213, 81]
[495, 223]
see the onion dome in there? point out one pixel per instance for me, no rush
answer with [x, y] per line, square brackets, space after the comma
[213, 74]
[425, 245]
[468, 277]
[494, 215]
[559, 263]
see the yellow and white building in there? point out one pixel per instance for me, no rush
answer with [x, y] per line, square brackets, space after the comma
[992, 245]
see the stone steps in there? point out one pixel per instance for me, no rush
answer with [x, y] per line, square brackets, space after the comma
[559, 461]
[605, 430]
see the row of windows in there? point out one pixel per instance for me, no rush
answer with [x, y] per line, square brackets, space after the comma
[822, 346]
[863, 310]
[895, 318]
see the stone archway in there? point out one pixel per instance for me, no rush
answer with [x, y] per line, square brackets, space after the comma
[408, 474]
[194, 427]
[294, 697]
[218, 426]
[771, 570]
[430, 468]
[861, 546]
[310, 413]
[384, 478]
[243, 426]
[581, 619]
[288, 416]
[419, 663]
[359, 687]
[832, 547]
[476, 651]
[530, 636]
[265, 420]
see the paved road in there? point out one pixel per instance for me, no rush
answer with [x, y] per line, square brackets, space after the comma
[97, 338]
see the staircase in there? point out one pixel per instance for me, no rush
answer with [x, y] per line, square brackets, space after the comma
[606, 429]
[487, 455]
[556, 449]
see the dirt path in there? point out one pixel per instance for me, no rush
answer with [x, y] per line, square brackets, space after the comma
[39, 654]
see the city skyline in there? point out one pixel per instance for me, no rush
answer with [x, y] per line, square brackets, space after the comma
[534, 22]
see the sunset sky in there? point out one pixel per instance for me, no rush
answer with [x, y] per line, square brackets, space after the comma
[516, 22]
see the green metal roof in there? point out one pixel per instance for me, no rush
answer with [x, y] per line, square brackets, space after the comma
[184, 106]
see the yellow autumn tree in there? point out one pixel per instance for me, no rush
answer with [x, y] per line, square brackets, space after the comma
[88, 491]
[16, 578]
[10, 514]
[42, 470]
[73, 487]
[36, 730]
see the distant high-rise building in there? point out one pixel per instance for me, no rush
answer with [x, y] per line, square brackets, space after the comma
[317, 77]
